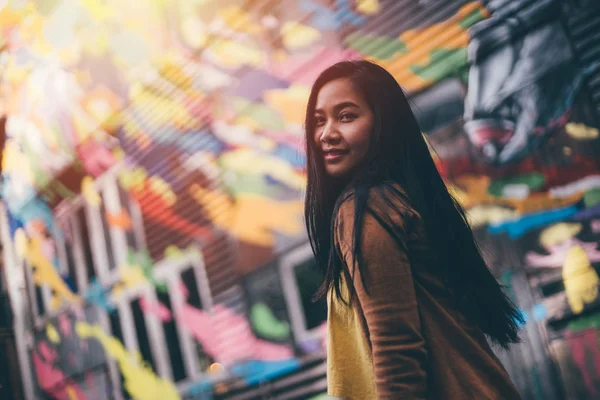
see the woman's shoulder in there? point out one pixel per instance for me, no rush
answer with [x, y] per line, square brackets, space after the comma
[387, 207]
[385, 199]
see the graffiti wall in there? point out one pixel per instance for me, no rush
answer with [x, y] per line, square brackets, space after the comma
[154, 165]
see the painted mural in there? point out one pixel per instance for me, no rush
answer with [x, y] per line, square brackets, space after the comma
[154, 167]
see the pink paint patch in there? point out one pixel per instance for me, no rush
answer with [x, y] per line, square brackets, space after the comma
[96, 158]
[183, 289]
[266, 351]
[303, 69]
[487, 133]
[227, 336]
[585, 345]
[90, 380]
[64, 324]
[202, 109]
[558, 254]
[47, 352]
[199, 324]
[49, 377]
[595, 225]
[157, 309]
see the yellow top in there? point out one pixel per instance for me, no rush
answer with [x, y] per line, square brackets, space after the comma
[349, 361]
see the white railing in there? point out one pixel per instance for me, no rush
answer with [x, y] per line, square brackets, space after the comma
[90, 248]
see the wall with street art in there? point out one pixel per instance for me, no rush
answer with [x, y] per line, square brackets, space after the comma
[153, 172]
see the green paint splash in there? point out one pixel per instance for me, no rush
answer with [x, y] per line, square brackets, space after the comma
[380, 47]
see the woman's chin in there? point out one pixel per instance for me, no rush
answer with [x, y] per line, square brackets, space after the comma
[336, 171]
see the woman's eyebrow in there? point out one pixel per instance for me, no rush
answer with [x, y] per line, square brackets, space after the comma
[343, 105]
[338, 107]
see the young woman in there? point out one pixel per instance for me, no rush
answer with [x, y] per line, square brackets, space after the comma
[410, 297]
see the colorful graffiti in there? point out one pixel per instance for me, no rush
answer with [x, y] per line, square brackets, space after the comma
[140, 381]
[578, 356]
[68, 366]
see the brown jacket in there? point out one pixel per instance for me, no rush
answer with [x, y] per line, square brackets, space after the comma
[420, 345]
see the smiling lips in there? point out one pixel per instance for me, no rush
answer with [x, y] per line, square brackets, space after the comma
[334, 154]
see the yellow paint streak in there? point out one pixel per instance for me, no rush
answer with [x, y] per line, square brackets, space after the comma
[581, 131]
[11, 17]
[248, 161]
[20, 241]
[580, 279]
[166, 111]
[52, 334]
[194, 32]
[16, 163]
[71, 392]
[258, 217]
[134, 179]
[369, 7]
[559, 233]
[537, 202]
[251, 218]
[232, 53]
[472, 190]
[139, 380]
[489, 214]
[172, 69]
[217, 204]
[296, 35]
[172, 252]
[248, 122]
[89, 192]
[163, 189]
[131, 277]
[239, 20]
[44, 273]
[291, 102]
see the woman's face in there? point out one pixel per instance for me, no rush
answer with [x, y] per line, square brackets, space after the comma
[343, 125]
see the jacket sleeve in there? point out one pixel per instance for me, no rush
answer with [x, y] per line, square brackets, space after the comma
[389, 305]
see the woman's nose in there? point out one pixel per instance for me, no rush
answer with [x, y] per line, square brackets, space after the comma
[329, 134]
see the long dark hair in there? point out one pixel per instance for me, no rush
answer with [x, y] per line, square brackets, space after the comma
[399, 154]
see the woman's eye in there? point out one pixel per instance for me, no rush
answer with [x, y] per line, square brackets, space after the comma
[347, 117]
[319, 121]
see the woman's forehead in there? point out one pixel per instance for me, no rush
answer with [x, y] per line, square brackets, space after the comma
[338, 92]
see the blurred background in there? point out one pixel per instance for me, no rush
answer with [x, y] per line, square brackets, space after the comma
[153, 246]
